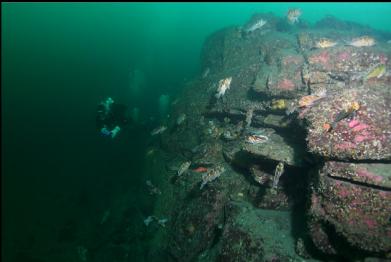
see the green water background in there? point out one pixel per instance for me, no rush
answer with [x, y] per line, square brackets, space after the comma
[60, 59]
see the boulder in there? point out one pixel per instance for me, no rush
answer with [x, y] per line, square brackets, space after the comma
[350, 210]
[362, 135]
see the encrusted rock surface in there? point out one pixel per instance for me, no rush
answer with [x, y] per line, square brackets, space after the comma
[366, 135]
[335, 149]
[358, 211]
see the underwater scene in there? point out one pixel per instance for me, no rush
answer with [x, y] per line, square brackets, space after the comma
[196, 132]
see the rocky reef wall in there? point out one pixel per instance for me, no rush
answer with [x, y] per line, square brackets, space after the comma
[291, 161]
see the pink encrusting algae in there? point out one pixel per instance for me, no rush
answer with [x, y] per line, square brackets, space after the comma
[343, 56]
[344, 192]
[363, 172]
[286, 84]
[370, 223]
[322, 58]
[345, 145]
[353, 123]
[361, 138]
[361, 130]
[358, 126]
[383, 59]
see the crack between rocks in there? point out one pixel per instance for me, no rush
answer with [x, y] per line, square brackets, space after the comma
[353, 182]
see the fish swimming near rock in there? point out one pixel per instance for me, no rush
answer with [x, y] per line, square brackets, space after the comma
[362, 41]
[224, 85]
[256, 139]
[158, 130]
[257, 25]
[205, 73]
[153, 190]
[325, 43]
[279, 170]
[309, 100]
[293, 15]
[349, 112]
[211, 175]
[376, 72]
[183, 168]
[279, 104]
[200, 169]
[181, 118]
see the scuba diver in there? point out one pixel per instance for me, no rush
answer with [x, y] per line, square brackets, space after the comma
[111, 117]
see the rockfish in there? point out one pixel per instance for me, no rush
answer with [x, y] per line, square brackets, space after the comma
[181, 118]
[362, 41]
[183, 168]
[377, 72]
[256, 25]
[200, 169]
[224, 85]
[158, 130]
[256, 139]
[325, 43]
[293, 15]
[211, 175]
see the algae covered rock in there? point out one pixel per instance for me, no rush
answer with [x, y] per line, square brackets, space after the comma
[256, 235]
[362, 135]
[277, 148]
[194, 224]
[292, 103]
[371, 174]
[280, 74]
[359, 215]
[273, 121]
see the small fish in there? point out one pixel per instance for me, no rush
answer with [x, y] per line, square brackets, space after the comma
[105, 217]
[200, 169]
[257, 25]
[206, 72]
[279, 104]
[183, 168]
[326, 127]
[347, 113]
[362, 41]
[153, 190]
[224, 85]
[277, 174]
[162, 222]
[158, 130]
[149, 220]
[175, 102]
[308, 101]
[150, 152]
[293, 15]
[377, 72]
[325, 43]
[181, 118]
[211, 175]
[256, 139]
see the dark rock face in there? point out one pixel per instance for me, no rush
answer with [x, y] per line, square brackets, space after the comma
[238, 242]
[291, 111]
[196, 225]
